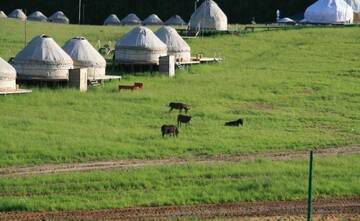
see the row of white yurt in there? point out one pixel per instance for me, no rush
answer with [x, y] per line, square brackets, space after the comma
[7, 76]
[142, 46]
[44, 59]
[57, 17]
[132, 19]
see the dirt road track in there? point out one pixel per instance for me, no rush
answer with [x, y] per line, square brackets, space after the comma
[128, 164]
[256, 209]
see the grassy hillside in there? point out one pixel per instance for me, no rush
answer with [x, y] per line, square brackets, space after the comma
[181, 185]
[295, 89]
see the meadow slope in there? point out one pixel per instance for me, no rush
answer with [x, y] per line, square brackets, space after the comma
[296, 89]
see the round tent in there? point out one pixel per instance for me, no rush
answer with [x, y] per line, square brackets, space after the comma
[18, 14]
[112, 20]
[59, 17]
[43, 59]
[208, 16]
[355, 5]
[175, 20]
[139, 46]
[286, 21]
[84, 55]
[7, 76]
[131, 19]
[329, 12]
[152, 20]
[175, 44]
[37, 16]
[2, 15]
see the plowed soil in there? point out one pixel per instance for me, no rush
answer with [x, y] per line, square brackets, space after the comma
[128, 164]
[322, 207]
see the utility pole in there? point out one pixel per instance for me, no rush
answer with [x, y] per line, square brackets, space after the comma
[79, 12]
[309, 209]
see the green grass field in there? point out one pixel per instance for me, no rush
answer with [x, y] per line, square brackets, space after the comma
[296, 89]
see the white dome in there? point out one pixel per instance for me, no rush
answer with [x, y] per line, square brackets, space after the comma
[286, 20]
[2, 15]
[43, 59]
[329, 12]
[209, 16]
[7, 76]
[59, 17]
[175, 20]
[17, 13]
[152, 20]
[175, 44]
[112, 20]
[140, 46]
[37, 16]
[355, 5]
[131, 19]
[84, 55]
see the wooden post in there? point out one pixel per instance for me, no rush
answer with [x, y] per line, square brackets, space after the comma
[309, 209]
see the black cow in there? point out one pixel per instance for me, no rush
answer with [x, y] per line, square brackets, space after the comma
[183, 119]
[169, 130]
[235, 123]
[179, 106]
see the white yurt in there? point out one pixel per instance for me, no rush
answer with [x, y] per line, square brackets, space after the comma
[59, 17]
[139, 46]
[112, 20]
[208, 16]
[175, 20]
[131, 19]
[84, 55]
[18, 14]
[43, 59]
[355, 5]
[7, 76]
[152, 20]
[2, 14]
[175, 44]
[329, 12]
[37, 16]
[286, 20]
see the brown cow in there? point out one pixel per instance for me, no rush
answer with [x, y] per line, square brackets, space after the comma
[169, 130]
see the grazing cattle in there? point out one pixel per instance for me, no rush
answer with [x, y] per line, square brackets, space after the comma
[136, 86]
[183, 119]
[179, 106]
[235, 123]
[169, 130]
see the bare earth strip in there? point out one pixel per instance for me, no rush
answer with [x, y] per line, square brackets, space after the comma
[129, 164]
[324, 207]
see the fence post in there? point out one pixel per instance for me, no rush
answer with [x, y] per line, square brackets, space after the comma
[309, 209]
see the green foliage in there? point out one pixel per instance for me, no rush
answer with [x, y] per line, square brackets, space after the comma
[181, 185]
[295, 89]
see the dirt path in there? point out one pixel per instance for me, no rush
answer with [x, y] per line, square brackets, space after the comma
[128, 164]
[337, 206]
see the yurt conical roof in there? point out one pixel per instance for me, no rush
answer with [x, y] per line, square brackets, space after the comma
[2, 14]
[131, 19]
[112, 20]
[329, 12]
[59, 17]
[208, 16]
[355, 5]
[7, 76]
[286, 21]
[85, 55]
[17, 13]
[37, 16]
[175, 44]
[175, 20]
[153, 20]
[43, 59]
[140, 45]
